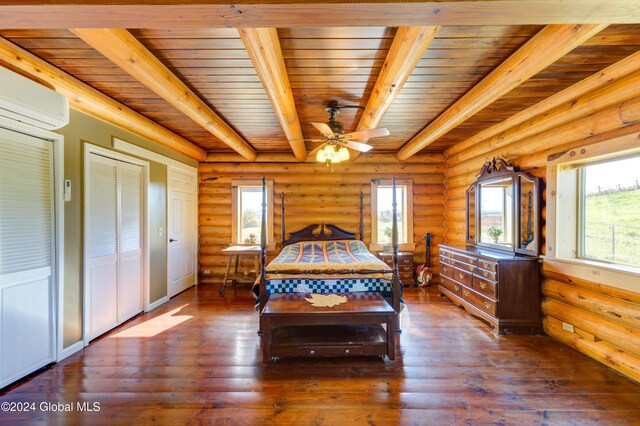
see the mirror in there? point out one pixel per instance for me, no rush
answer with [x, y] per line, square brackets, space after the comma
[527, 207]
[471, 214]
[503, 210]
[496, 212]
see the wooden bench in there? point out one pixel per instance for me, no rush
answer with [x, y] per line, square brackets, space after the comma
[292, 327]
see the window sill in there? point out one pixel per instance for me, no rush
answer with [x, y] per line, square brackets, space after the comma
[270, 246]
[612, 275]
[401, 247]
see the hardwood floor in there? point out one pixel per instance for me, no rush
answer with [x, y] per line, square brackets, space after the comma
[197, 360]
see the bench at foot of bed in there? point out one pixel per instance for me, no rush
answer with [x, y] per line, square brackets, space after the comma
[362, 326]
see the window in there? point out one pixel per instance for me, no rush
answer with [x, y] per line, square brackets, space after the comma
[381, 214]
[247, 212]
[593, 213]
[609, 211]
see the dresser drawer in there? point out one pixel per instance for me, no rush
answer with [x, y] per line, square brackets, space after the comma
[463, 277]
[465, 259]
[404, 269]
[488, 275]
[463, 266]
[446, 270]
[485, 286]
[450, 285]
[444, 259]
[488, 265]
[345, 350]
[405, 260]
[480, 302]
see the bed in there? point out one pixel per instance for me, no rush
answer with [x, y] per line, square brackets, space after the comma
[325, 259]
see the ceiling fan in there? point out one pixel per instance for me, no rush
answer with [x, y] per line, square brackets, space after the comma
[335, 141]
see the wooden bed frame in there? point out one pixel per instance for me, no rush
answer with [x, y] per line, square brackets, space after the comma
[328, 232]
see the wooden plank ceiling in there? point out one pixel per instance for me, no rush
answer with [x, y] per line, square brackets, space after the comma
[325, 64]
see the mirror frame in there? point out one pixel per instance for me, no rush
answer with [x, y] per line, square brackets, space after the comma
[496, 170]
[471, 239]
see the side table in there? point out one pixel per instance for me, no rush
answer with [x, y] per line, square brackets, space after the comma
[237, 251]
[405, 265]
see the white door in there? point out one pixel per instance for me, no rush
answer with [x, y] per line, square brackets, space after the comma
[130, 261]
[27, 235]
[116, 230]
[182, 230]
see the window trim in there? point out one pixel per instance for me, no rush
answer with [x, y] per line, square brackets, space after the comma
[239, 183]
[408, 183]
[562, 239]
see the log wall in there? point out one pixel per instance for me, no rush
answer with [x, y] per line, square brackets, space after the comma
[606, 320]
[312, 195]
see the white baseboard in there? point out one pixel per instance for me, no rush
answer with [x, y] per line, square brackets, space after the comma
[157, 303]
[67, 352]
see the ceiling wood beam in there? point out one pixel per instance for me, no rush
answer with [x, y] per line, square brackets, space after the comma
[124, 50]
[90, 101]
[616, 83]
[311, 13]
[286, 157]
[550, 44]
[407, 48]
[264, 50]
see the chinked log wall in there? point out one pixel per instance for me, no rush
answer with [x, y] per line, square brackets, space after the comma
[312, 195]
[606, 320]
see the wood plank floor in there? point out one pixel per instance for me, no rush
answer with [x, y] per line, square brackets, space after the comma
[196, 360]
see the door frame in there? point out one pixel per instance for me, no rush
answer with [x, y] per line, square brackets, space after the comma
[114, 155]
[192, 171]
[57, 263]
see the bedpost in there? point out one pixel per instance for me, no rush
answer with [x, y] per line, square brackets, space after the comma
[263, 247]
[394, 240]
[361, 216]
[282, 231]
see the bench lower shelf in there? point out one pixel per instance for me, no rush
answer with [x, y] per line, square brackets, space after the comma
[329, 340]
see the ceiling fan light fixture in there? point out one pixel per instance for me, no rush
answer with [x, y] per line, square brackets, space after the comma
[320, 157]
[343, 154]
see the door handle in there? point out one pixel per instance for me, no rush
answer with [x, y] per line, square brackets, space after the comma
[172, 240]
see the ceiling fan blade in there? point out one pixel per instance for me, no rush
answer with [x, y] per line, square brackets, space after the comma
[315, 151]
[324, 129]
[366, 134]
[358, 146]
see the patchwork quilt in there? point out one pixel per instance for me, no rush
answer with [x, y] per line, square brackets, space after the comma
[303, 268]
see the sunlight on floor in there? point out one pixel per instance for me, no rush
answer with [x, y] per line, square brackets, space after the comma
[155, 325]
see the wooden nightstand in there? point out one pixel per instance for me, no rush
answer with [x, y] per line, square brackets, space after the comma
[405, 265]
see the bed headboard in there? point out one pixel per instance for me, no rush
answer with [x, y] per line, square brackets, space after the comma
[319, 232]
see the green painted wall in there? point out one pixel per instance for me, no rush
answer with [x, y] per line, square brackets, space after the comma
[84, 129]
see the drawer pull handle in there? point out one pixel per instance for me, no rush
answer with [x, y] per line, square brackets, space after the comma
[465, 292]
[485, 265]
[485, 273]
[346, 351]
[312, 352]
[483, 285]
[444, 268]
[456, 287]
[487, 305]
[471, 268]
[461, 276]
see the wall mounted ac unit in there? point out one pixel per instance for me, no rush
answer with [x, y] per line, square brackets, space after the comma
[29, 102]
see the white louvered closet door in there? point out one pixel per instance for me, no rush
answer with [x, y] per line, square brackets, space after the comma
[116, 197]
[27, 234]
[103, 252]
[130, 241]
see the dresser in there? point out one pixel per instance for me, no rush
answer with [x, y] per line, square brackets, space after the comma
[405, 265]
[499, 287]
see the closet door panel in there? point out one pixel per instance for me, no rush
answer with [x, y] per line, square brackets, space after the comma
[130, 277]
[26, 255]
[103, 228]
